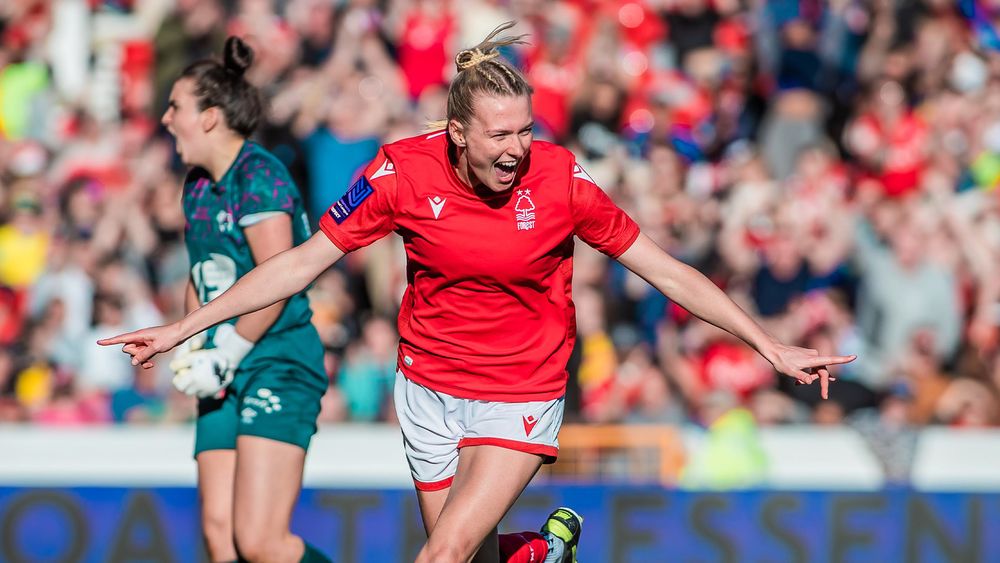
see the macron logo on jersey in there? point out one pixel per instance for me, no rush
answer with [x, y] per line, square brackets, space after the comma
[384, 170]
[578, 172]
[346, 205]
[437, 204]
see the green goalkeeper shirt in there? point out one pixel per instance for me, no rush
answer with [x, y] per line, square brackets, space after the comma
[257, 186]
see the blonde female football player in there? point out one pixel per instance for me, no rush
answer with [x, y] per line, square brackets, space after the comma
[488, 217]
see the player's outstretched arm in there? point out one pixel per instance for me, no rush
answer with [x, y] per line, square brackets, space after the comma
[690, 289]
[276, 279]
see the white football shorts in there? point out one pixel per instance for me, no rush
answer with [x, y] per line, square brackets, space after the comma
[436, 425]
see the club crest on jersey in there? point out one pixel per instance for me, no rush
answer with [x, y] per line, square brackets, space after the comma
[525, 209]
[346, 205]
[224, 218]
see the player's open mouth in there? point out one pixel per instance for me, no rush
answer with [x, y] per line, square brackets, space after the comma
[506, 169]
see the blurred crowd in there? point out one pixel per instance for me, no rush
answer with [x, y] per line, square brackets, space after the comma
[832, 164]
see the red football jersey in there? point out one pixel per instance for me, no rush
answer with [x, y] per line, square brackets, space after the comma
[487, 312]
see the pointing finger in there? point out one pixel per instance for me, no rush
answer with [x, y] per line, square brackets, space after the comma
[819, 361]
[120, 339]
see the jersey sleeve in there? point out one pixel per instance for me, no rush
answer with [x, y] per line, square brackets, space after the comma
[266, 190]
[366, 212]
[596, 219]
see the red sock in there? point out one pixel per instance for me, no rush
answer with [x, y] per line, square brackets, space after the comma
[525, 547]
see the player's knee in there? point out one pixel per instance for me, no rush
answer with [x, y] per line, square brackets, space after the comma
[443, 552]
[218, 530]
[256, 545]
[251, 548]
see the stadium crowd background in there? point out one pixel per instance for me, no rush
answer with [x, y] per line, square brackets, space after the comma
[831, 164]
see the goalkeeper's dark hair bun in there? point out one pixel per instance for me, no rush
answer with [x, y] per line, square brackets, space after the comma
[238, 56]
[224, 86]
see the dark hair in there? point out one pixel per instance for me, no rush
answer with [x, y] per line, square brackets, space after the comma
[222, 85]
[481, 71]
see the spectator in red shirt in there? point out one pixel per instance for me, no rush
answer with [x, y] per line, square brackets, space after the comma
[889, 140]
[425, 31]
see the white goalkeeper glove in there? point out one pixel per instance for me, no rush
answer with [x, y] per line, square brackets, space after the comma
[205, 373]
[196, 342]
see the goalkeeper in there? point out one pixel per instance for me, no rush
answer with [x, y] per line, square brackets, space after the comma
[258, 380]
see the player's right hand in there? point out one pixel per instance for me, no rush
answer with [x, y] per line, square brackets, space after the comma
[143, 344]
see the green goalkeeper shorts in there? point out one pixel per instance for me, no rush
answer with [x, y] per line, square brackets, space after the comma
[275, 394]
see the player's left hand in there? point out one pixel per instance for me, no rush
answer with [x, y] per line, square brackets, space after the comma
[806, 365]
[205, 373]
[202, 373]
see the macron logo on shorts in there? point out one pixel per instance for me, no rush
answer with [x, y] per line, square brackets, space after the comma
[529, 424]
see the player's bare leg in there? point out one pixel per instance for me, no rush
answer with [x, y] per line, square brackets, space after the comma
[431, 503]
[487, 482]
[216, 473]
[268, 480]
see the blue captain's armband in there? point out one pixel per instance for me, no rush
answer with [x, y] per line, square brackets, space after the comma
[346, 205]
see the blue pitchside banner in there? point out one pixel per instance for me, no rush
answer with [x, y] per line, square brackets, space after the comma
[623, 523]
